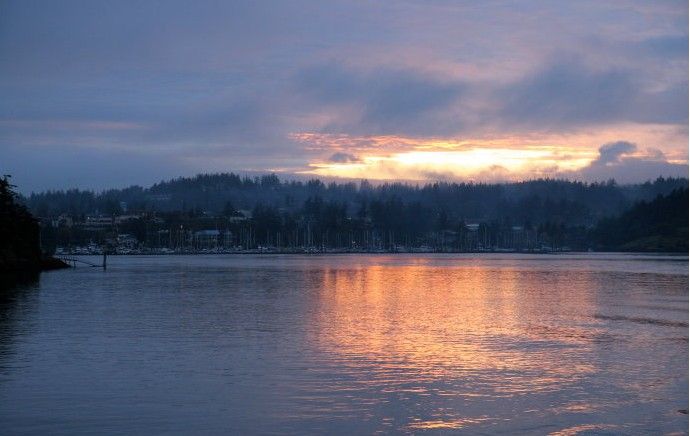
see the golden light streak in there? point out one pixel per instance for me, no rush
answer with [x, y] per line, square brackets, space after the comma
[484, 163]
[399, 328]
[485, 158]
[670, 139]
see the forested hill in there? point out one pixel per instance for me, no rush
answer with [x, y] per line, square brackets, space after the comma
[657, 225]
[533, 202]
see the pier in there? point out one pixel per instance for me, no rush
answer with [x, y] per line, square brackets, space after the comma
[73, 261]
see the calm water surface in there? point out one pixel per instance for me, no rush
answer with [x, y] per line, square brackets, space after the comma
[350, 344]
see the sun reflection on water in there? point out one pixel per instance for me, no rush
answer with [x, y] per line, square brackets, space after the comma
[428, 333]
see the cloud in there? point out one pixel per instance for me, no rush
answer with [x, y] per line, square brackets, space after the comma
[214, 84]
[384, 101]
[565, 94]
[569, 94]
[664, 47]
[343, 158]
[174, 114]
[612, 152]
[621, 161]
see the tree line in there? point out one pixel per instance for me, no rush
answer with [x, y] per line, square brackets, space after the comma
[265, 211]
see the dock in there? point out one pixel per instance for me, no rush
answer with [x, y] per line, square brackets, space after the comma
[73, 262]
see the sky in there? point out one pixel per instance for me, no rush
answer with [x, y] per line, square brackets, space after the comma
[97, 94]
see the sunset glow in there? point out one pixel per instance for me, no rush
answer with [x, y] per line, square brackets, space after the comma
[344, 217]
[426, 91]
[481, 163]
[489, 158]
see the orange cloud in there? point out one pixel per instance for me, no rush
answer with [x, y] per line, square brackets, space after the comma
[482, 158]
[473, 163]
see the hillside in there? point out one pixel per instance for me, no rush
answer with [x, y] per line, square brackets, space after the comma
[657, 225]
[534, 201]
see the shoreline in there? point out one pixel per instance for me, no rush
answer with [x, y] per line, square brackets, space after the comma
[340, 252]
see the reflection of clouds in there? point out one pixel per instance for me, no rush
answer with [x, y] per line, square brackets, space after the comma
[469, 343]
[465, 333]
[579, 429]
[418, 424]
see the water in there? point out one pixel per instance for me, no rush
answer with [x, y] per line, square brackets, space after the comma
[351, 344]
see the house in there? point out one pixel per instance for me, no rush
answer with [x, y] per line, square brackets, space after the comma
[241, 215]
[98, 222]
[206, 239]
[121, 219]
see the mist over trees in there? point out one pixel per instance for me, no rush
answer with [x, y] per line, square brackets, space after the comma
[265, 211]
[537, 200]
